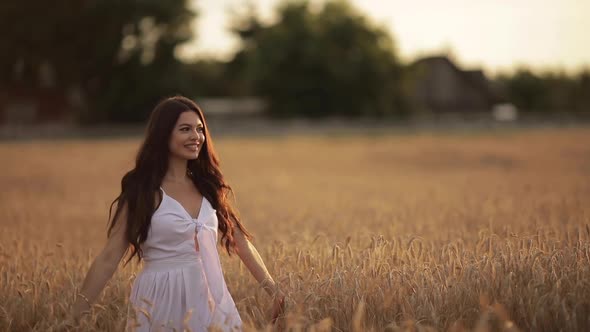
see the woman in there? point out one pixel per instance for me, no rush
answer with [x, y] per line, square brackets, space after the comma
[171, 206]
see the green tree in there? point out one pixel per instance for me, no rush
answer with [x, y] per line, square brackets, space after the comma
[580, 95]
[329, 62]
[547, 91]
[526, 90]
[118, 54]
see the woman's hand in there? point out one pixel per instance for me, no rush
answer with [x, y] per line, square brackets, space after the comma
[80, 307]
[70, 323]
[278, 309]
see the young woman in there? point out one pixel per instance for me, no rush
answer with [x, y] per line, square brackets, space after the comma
[169, 212]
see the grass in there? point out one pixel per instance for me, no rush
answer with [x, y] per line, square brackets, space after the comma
[402, 232]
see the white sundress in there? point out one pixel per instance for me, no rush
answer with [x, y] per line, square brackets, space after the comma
[179, 287]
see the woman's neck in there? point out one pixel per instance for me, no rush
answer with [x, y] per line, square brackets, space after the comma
[177, 171]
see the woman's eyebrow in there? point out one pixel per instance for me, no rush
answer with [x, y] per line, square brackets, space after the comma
[188, 124]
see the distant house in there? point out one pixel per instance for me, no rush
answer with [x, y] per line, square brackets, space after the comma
[436, 84]
[25, 105]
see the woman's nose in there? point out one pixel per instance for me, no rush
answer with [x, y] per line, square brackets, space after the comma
[194, 134]
[199, 137]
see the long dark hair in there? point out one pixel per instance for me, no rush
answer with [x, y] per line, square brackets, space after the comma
[140, 184]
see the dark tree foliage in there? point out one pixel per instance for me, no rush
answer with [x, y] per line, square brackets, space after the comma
[547, 91]
[320, 63]
[118, 54]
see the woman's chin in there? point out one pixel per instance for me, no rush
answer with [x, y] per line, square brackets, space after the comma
[192, 156]
[187, 156]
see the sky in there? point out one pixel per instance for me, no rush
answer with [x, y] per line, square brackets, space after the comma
[494, 35]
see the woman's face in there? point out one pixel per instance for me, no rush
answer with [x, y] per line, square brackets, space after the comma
[188, 136]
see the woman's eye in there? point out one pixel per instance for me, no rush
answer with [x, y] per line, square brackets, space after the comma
[184, 129]
[201, 129]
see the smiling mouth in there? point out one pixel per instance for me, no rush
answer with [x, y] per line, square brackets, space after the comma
[193, 147]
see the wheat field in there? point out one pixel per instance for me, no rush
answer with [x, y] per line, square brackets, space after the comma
[484, 231]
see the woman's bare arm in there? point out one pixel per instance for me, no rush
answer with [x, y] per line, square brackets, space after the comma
[251, 258]
[103, 267]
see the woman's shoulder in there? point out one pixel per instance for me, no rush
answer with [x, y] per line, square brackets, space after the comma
[158, 198]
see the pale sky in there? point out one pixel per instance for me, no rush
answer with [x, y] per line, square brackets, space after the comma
[495, 35]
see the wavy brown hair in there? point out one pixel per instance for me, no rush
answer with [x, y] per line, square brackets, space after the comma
[140, 184]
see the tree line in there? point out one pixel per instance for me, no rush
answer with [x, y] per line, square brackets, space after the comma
[547, 91]
[118, 58]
